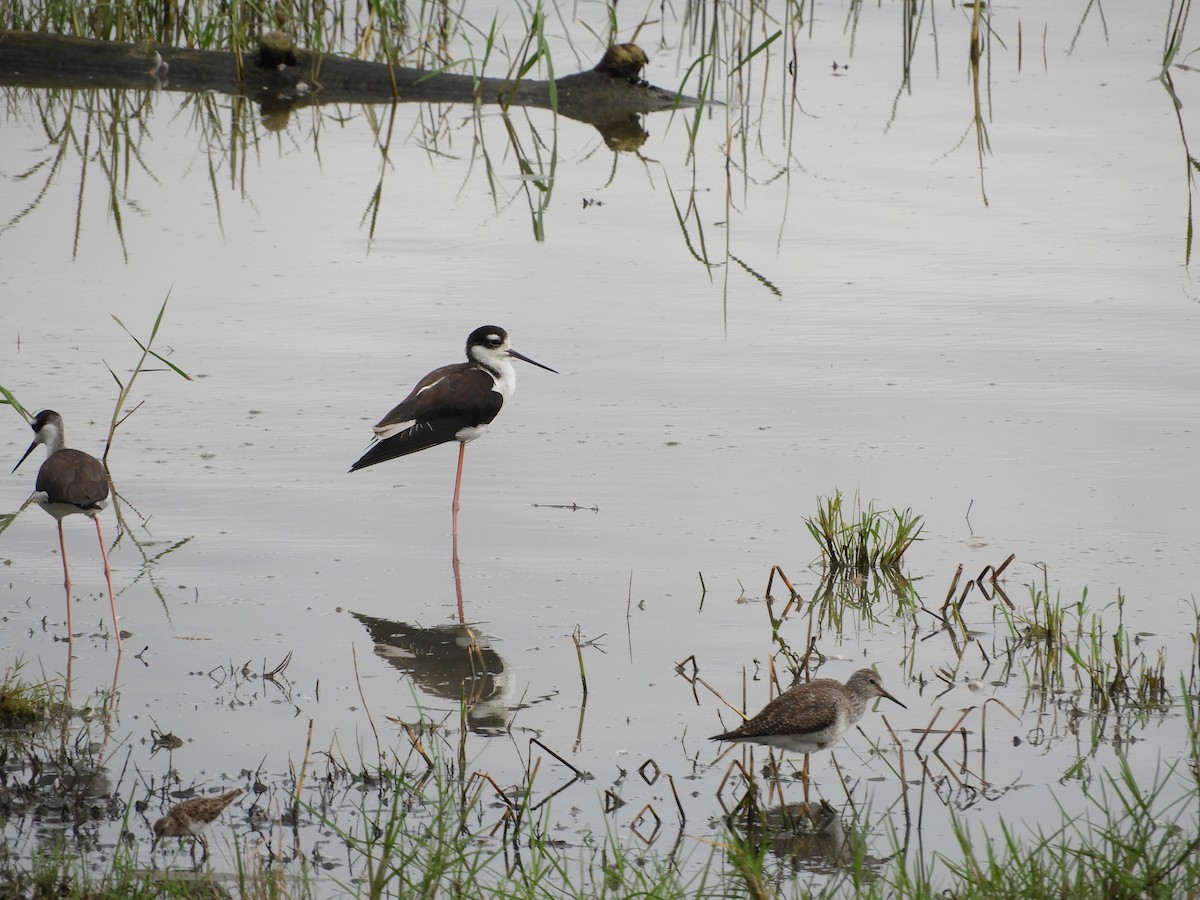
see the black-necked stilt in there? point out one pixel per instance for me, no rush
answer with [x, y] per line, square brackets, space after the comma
[811, 716]
[453, 403]
[69, 482]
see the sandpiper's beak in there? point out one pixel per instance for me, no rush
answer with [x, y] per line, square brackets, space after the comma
[883, 693]
[27, 452]
[525, 359]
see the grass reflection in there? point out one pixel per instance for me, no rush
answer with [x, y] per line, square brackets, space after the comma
[99, 131]
[740, 62]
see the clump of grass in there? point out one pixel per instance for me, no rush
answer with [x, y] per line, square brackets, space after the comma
[23, 703]
[863, 540]
[57, 871]
[1076, 649]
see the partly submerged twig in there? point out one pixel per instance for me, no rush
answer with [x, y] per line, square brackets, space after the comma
[579, 655]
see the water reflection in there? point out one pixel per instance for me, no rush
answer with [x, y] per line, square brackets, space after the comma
[95, 99]
[816, 838]
[56, 779]
[806, 837]
[450, 662]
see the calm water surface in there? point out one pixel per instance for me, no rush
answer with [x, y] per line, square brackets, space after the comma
[1021, 372]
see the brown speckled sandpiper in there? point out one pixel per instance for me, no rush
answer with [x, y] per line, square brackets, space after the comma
[811, 716]
[191, 817]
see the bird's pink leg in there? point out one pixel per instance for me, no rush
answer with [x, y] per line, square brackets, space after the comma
[66, 580]
[112, 601]
[462, 450]
[454, 564]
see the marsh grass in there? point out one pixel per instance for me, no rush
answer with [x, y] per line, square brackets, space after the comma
[100, 132]
[431, 830]
[1073, 649]
[429, 823]
[1177, 20]
[58, 872]
[1137, 841]
[743, 51]
[393, 30]
[851, 537]
[53, 780]
[536, 158]
[24, 704]
[126, 386]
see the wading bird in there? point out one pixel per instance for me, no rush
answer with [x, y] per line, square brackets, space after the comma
[453, 403]
[811, 716]
[70, 482]
[191, 818]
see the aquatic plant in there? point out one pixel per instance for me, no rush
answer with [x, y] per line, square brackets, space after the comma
[854, 538]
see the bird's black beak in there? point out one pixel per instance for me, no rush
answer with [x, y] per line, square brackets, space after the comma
[23, 458]
[883, 693]
[524, 359]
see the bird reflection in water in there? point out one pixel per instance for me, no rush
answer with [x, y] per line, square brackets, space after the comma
[449, 662]
[811, 837]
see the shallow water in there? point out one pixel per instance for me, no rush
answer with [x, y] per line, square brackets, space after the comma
[1022, 374]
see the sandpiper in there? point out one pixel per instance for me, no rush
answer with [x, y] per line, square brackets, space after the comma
[811, 716]
[192, 817]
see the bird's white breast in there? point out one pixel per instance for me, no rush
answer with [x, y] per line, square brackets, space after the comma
[506, 379]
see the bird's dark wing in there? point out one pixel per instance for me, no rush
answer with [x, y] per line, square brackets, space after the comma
[459, 390]
[417, 437]
[72, 476]
[443, 402]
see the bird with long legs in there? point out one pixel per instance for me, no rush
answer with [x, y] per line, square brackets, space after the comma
[454, 403]
[70, 482]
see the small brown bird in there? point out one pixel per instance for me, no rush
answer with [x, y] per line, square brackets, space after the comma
[811, 716]
[192, 817]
